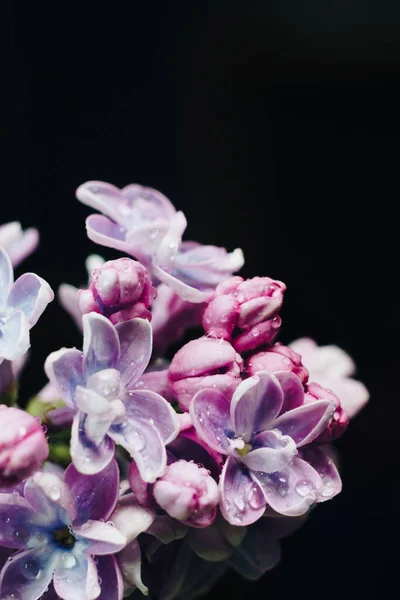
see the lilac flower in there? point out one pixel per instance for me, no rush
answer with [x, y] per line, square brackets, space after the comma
[333, 368]
[260, 431]
[277, 358]
[58, 528]
[96, 386]
[143, 223]
[18, 243]
[21, 305]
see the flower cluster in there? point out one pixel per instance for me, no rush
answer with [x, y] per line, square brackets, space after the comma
[127, 463]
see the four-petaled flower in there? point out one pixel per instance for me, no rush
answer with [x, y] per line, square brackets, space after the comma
[21, 305]
[143, 223]
[58, 527]
[260, 432]
[97, 387]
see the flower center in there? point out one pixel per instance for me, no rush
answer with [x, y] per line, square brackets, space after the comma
[64, 538]
[243, 451]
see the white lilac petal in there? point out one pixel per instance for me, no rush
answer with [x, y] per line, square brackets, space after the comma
[14, 336]
[28, 574]
[105, 232]
[135, 338]
[22, 247]
[353, 394]
[100, 344]
[130, 562]
[130, 518]
[51, 499]
[306, 422]
[206, 266]
[64, 368]
[156, 410]
[242, 501]
[168, 248]
[209, 411]
[68, 298]
[6, 277]
[271, 452]
[30, 294]
[182, 289]
[102, 538]
[102, 196]
[148, 204]
[76, 578]
[88, 457]
[255, 403]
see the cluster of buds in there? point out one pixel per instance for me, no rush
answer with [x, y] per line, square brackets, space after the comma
[140, 458]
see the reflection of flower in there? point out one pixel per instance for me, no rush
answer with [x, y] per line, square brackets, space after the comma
[333, 368]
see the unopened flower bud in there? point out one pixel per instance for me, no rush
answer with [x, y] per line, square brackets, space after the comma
[340, 420]
[277, 358]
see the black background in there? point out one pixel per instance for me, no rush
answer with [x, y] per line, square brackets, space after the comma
[274, 125]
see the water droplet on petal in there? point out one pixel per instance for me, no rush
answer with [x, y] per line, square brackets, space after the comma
[55, 492]
[68, 560]
[21, 535]
[31, 569]
[304, 487]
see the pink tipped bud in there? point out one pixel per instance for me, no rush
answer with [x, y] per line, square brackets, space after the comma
[245, 312]
[23, 445]
[119, 289]
[204, 363]
[188, 493]
[340, 420]
[277, 358]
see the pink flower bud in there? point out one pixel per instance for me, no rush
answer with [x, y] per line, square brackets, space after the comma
[23, 445]
[340, 420]
[245, 312]
[119, 289]
[203, 363]
[188, 493]
[277, 358]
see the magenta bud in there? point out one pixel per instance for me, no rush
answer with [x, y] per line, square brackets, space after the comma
[23, 445]
[188, 493]
[245, 312]
[120, 290]
[277, 358]
[204, 363]
[340, 420]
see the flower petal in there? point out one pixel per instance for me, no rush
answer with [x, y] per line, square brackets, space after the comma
[64, 368]
[95, 495]
[50, 497]
[144, 444]
[103, 538]
[130, 561]
[293, 392]
[292, 490]
[15, 515]
[88, 457]
[79, 582]
[242, 501]
[6, 277]
[258, 553]
[135, 338]
[183, 290]
[102, 230]
[326, 469]
[154, 408]
[30, 294]
[148, 203]
[255, 403]
[14, 338]
[68, 298]
[353, 394]
[209, 411]
[112, 586]
[271, 452]
[28, 574]
[100, 344]
[102, 196]
[130, 518]
[305, 423]
[207, 265]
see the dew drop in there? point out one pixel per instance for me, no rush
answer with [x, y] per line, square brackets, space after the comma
[55, 492]
[256, 498]
[31, 569]
[68, 560]
[304, 487]
[21, 535]
[239, 503]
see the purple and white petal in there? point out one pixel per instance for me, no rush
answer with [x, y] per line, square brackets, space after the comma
[15, 514]
[183, 290]
[105, 232]
[326, 469]
[100, 344]
[255, 403]
[169, 245]
[50, 498]
[76, 577]
[306, 422]
[95, 495]
[293, 392]
[14, 338]
[68, 298]
[30, 294]
[144, 444]
[154, 408]
[242, 501]
[88, 457]
[112, 585]
[64, 368]
[6, 277]
[207, 266]
[61, 417]
[148, 204]
[130, 518]
[135, 338]
[271, 452]
[27, 575]
[103, 538]
[130, 561]
[102, 196]
[210, 414]
[18, 243]
[292, 490]
[353, 394]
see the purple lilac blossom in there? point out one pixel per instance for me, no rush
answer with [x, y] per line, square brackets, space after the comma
[143, 223]
[260, 432]
[60, 531]
[96, 386]
[21, 305]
